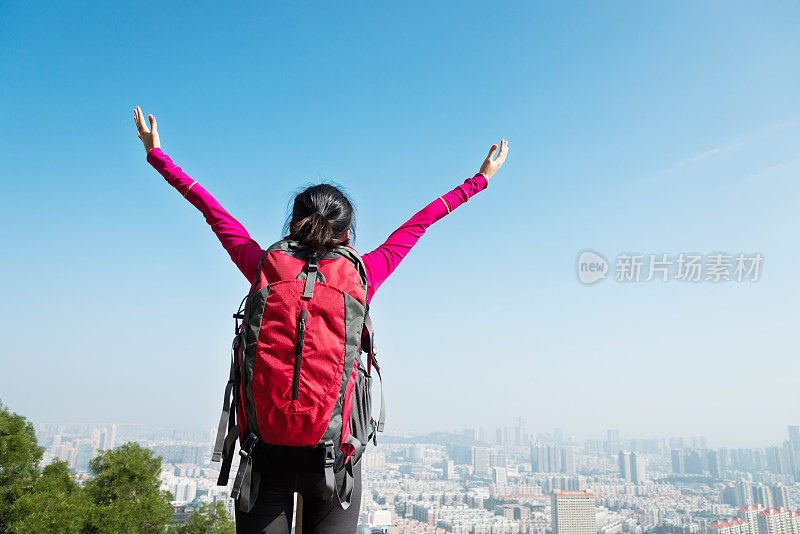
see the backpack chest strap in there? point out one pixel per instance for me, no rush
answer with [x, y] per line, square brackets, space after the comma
[312, 268]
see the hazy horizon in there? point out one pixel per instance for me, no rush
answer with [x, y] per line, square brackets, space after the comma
[657, 129]
[569, 437]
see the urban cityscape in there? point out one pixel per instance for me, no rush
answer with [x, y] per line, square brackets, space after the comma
[507, 480]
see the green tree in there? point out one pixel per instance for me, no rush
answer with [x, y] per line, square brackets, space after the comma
[211, 518]
[19, 462]
[490, 503]
[123, 495]
[124, 492]
[55, 503]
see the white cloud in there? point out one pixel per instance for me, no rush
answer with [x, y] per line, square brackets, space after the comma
[738, 144]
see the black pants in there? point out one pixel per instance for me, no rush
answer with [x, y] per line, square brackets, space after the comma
[272, 512]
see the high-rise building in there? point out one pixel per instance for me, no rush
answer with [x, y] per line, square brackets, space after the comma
[739, 494]
[85, 453]
[480, 461]
[68, 453]
[95, 438]
[780, 495]
[734, 526]
[638, 468]
[573, 512]
[519, 432]
[749, 514]
[460, 454]
[762, 495]
[678, 464]
[675, 443]
[577, 483]
[567, 460]
[374, 459]
[613, 441]
[186, 490]
[698, 442]
[745, 492]
[790, 459]
[694, 461]
[728, 495]
[724, 459]
[794, 437]
[497, 459]
[782, 460]
[624, 464]
[109, 437]
[448, 469]
[499, 476]
[714, 464]
[774, 460]
[416, 454]
[761, 520]
[774, 521]
[552, 458]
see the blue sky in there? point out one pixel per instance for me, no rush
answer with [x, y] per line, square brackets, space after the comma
[640, 127]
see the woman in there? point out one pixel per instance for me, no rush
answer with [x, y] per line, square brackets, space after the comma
[323, 218]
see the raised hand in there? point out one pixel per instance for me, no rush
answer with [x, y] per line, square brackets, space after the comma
[491, 166]
[149, 136]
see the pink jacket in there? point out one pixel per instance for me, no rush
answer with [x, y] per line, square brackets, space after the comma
[246, 253]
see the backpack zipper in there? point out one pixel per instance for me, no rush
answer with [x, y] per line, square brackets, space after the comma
[298, 353]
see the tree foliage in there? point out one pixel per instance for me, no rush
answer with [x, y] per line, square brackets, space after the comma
[211, 518]
[19, 461]
[55, 503]
[122, 496]
[124, 492]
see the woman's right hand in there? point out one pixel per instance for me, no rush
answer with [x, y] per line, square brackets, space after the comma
[491, 166]
[149, 136]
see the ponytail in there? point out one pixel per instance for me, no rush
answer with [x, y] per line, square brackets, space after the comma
[314, 231]
[321, 216]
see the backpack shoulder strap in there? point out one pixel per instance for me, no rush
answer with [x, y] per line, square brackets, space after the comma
[344, 494]
[368, 346]
[225, 443]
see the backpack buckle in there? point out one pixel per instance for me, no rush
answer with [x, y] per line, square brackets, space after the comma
[313, 267]
[330, 457]
[248, 446]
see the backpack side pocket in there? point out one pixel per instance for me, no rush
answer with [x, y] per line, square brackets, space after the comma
[361, 424]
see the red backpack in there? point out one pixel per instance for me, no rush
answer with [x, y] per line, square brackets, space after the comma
[299, 390]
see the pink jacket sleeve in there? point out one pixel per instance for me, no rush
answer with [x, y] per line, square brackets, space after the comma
[383, 260]
[243, 250]
[246, 253]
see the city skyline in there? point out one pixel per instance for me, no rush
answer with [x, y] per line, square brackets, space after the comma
[612, 440]
[607, 486]
[548, 435]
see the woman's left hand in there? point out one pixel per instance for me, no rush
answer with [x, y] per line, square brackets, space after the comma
[149, 136]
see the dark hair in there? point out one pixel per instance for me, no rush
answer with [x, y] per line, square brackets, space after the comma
[320, 216]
